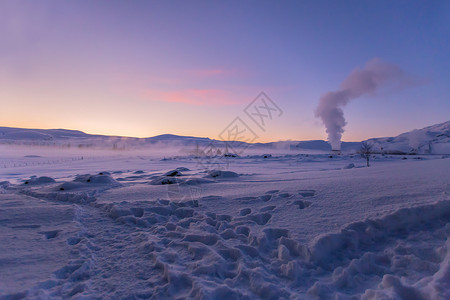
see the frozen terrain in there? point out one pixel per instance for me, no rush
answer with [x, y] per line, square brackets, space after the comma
[128, 224]
[433, 139]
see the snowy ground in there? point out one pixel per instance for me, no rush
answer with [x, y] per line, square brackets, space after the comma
[282, 227]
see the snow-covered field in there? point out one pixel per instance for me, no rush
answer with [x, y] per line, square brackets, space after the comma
[123, 224]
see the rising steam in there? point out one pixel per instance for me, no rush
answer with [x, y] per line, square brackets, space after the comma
[360, 82]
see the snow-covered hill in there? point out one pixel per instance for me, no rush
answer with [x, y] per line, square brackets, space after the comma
[433, 139]
[9, 133]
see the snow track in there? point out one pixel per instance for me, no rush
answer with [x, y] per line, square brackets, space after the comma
[169, 250]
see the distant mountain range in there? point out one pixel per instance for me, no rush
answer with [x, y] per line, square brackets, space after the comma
[433, 139]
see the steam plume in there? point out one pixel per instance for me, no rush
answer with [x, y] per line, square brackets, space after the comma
[360, 82]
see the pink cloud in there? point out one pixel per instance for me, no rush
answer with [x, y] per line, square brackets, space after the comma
[193, 96]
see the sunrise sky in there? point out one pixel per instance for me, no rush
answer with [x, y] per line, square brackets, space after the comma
[143, 68]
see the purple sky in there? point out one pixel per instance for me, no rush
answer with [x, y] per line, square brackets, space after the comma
[143, 68]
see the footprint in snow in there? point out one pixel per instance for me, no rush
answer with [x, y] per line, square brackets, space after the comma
[302, 204]
[284, 195]
[50, 234]
[307, 193]
[260, 219]
[245, 211]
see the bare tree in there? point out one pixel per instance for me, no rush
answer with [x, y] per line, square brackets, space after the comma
[365, 151]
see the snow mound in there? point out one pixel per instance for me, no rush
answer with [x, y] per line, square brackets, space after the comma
[162, 180]
[221, 174]
[39, 180]
[404, 255]
[365, 233]
[173, 173]
[103, 179]
[83, 189]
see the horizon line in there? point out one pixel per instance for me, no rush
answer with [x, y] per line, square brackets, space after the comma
[193, 136]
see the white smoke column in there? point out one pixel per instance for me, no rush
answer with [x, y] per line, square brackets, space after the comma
[360, 82]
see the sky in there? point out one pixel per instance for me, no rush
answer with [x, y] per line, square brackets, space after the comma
[144, 68]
